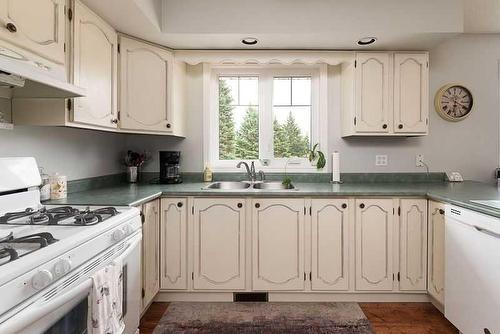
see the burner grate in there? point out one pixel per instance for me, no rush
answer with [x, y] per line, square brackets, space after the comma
[13, 248]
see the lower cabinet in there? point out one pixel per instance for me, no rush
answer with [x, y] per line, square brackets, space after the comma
[436, 251]
[219, 243]
[278, 244]
[150, 252]
[329, 244]
[374, 244]
[173, 234]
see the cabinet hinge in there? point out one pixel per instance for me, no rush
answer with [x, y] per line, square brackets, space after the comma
[399, 277]
[393, 212]
[427, 121]
[354, 120]
[119, 50]
[305, 211]
[70, 14]
[69, 104]
[399, 211]
[64, 47]
[192, 210]
[119, 115]
[143, 293]
[393, 277]
[310, 276]
[427, 64]
[305, 276]
[355, 63]
[143, 218]
[310, 211]
[192, 276]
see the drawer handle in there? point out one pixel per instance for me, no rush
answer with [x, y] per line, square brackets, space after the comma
[180, 204]
[441, 211]
[11, 27]
[240, 205]
[344, 206]
[384, 126]
[488, 232]
[114, 121]
[257, 205]
[169, 125]
[362, 205]
[400, 126]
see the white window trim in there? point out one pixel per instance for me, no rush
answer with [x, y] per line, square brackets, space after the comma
[319, 122]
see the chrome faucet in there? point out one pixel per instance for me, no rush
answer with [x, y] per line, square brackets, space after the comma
[252, 176]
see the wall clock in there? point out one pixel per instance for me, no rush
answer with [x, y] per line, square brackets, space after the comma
[453, 102]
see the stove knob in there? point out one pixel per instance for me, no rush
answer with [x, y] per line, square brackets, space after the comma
[127, 229]
[63, 266]
[118, 235]
[41, 279]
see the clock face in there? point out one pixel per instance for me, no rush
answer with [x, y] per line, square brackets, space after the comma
[454, 102]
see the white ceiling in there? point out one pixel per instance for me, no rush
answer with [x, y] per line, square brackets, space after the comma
[297, 24]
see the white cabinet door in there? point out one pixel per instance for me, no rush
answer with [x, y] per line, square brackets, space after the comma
[413, 245]
[37, 26]
[219, 243]
[95, 58]
[436, 251]
[374, 244]
[411, 93]
[173, 231]
[278, 244]
[145, 86]
[330, 242]
[372, 110]
[150, 252]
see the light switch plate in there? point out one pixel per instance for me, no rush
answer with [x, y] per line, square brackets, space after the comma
[381, 160]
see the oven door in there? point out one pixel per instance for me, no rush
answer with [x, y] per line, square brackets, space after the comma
[69, 310]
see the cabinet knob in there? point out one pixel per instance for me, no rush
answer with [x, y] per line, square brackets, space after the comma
[114, 121]
[362, 205]
[180, 204]
[257, 205]
[441, 211]
[384, 126]
[400, 126]
[240, 205]
[344, 206]
[11, 27]
[169, 125]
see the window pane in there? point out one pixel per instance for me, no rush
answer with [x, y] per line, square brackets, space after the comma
[282, 91]
[301, 91]
[238, 118]
[292, 131]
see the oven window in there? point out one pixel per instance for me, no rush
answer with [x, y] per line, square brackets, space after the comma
[73, 322]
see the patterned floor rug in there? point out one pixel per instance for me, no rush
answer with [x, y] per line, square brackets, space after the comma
[253, 318]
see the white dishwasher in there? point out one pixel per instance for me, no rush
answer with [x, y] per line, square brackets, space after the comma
[472, 271]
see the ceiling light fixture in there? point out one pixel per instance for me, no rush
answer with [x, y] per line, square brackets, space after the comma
[366, 41]
[249, 41]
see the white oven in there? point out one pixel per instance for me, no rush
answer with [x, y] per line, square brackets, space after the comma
[64, 307]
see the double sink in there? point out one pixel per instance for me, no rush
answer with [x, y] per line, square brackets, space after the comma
[235, 185]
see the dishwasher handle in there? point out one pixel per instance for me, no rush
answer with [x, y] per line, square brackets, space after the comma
[486, 231]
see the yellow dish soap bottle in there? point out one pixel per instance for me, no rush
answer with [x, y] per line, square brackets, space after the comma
[207, 174]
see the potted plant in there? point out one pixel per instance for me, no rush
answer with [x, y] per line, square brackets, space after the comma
[134, 160]
[316, 157]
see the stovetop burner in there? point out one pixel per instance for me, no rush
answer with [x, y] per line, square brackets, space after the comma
[62, 216]
[13, 248]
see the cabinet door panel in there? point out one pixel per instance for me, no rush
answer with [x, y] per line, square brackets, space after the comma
[278, 244]
[329, 243]
[374, 244]
[40, 26]
[145, 80]
[436, 251]
[372, 93]
[219, 244]
[150, 252]
[411, 93]
[95, 68]
[413, 244]
[173, 244]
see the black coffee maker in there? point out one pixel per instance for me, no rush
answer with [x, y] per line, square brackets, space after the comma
[169, 167]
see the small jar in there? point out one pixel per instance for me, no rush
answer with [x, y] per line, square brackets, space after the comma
[58, 186]
[44, 186]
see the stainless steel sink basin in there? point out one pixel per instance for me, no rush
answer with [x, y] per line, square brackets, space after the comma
[273, 186]
[228, 185]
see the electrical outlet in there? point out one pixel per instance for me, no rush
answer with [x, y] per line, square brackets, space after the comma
[419, 160]
[381, 160]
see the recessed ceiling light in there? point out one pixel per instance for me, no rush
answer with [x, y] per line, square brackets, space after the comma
[366, 41]
[249, 41]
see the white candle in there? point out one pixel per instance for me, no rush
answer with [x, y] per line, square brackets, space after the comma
[335, 166]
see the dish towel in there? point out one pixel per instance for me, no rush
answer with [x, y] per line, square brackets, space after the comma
[107, 294]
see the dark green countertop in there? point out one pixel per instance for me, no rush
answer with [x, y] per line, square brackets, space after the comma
[459, 194]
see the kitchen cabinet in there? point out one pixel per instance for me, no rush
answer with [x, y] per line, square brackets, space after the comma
[95, 58]
[219, 243]
[36, 26]
[374, 244]
[278, 244]
[411, 93]
[329, 244]
[413, 244]
[436, 251]
[150, 252]
[385, 94]
[173, 240]
[145, 86]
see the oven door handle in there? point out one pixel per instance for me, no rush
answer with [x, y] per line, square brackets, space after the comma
[133, 242]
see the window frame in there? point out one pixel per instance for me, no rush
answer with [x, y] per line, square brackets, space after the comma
[265, 75]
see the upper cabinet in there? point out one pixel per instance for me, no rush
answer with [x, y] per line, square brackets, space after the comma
[146, 73]
[37, 26]
[386, 94]
[95, 49]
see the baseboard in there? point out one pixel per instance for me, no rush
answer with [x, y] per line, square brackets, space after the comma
[295, 297]
[437, 304]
